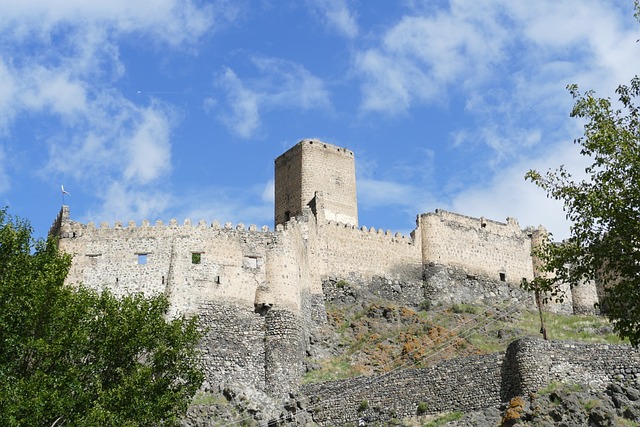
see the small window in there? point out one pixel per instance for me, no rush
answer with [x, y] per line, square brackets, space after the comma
[287, 216]
[142, 259]
[503, 277]
[196, 257]
[251, 262]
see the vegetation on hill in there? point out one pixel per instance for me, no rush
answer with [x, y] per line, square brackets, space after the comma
[75, 357]
[376, 336]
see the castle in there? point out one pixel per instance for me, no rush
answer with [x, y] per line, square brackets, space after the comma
[260, 291]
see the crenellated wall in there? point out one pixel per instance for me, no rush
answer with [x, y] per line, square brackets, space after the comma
[366, 252]
[477, 245]
[189, 263]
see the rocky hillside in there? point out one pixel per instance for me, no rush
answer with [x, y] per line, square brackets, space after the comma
[367, 334]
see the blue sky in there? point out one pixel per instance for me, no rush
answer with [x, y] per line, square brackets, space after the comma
[178, 108]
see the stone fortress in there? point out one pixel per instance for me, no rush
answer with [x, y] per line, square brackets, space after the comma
[260, 291]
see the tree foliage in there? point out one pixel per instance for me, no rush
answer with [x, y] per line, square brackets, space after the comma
[76, 357]
[604, 243]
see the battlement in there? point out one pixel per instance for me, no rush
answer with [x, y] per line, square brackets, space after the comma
[509, 228]
[66, 228]
[379, 233]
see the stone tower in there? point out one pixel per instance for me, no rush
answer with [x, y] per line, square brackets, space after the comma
[318, 175]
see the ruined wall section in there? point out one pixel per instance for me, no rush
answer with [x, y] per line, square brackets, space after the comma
[479, 246]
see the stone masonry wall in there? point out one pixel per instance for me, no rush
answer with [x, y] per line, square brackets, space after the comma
[450, 285]
[190, 264]
[472, 383]
[346, 250]
[311, 166]
[233, 345]
[463, 384]
[477, 245]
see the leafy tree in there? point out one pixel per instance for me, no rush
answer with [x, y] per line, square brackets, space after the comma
[604, 243]
[76, 357]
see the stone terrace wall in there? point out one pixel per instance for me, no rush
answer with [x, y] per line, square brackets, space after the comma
[536, 363]
[345, 250]
[463, 384]
[471, 383]
[477, 245]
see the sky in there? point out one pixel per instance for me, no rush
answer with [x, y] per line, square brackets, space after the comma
[178, 108]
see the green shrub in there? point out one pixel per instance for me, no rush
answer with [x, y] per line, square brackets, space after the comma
[342, 284]
[363, 405]
[422, 408]
[464, 308]
[425, 305]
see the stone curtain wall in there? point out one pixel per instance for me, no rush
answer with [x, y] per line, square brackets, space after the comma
[247, 285]
[477, 245]
[472, 383]
[229, 264]
[233, 345]
[367, 252]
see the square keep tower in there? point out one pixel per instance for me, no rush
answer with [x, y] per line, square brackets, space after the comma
[313, 166]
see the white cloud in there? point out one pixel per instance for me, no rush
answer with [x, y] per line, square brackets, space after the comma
[420, 56]
[337, 16]
[245, 103]
[172, 21]
[438, 53]
[5, 183]
[375, 193]
[149, 148]
[282, 85]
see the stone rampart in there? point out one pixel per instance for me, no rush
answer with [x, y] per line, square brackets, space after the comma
[190, 264]
[471, 383]
[346, 250]
[477, 245]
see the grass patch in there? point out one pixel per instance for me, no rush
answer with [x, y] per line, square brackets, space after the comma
[593, 329]
[624, 422]
[443, 419]
[465, 309]
[331, 369]
[207, 398]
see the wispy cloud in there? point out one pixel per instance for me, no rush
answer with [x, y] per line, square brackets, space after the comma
[282, 85]
[173, 21]
[337, 16]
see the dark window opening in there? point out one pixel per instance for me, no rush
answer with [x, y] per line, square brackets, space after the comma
[287, 216]
[503, 277]
[483, 225]
[196, 257]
